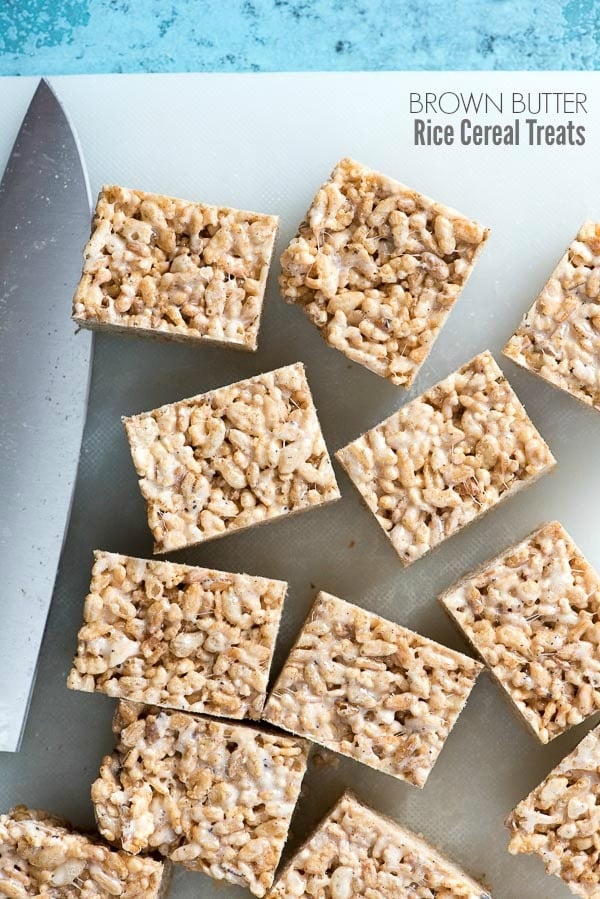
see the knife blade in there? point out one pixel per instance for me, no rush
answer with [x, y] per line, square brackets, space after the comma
[45, 213]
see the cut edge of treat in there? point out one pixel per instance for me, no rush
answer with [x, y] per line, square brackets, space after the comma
[578, 395]
[347, 161]
[159, 335]
[507, 350]
[261, 726]
[158, 550]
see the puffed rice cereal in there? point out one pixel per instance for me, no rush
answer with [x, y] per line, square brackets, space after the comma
[445, 458]
[231, 458]
[559, 338]
[560, 820]
[377, 267]
[533, 614]
[178, 636]
[41, 856]
[357, 852]
[215, 796]
[165, 267]
[371, 689]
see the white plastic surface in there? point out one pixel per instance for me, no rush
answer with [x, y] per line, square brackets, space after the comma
[266, 143]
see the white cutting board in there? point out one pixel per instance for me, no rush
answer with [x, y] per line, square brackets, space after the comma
[266, 142]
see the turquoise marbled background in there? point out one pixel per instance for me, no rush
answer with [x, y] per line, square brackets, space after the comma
[74, 36]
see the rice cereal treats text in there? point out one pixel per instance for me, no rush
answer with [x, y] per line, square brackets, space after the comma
[377, 268]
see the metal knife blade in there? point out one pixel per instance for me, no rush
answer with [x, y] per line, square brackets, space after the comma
[44, 378]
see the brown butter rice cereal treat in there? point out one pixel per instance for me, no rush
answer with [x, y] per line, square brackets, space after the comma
[560, 820]
[41, 856]
[357, 852]
[559, 338]
[178, 636]
[231, 458]
[217, 797]
[533, 614]
[371, 689]
[165, 267]
[377, 268]
[445, 458]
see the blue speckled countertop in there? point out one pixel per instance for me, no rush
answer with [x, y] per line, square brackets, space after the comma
[89, 36]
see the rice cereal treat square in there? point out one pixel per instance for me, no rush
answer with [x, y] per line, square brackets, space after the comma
[178, 636]
[445, 458]
[560, 820]
[216, 796]
[377, 268]
[533, 614]
[231, 458]
[559, 338]
[371, 689]
[357, 852]
[42, 856]
[164, 267]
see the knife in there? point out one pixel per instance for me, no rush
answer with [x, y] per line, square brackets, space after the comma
[45, 214]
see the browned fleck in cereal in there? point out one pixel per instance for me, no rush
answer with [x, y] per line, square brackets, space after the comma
[559, 338]
[41, 856]
[217, 797]
[371, 689]
[232, 458]
[560, 820]
[445, 458]
[378, 267]
[178, 636]
[165, 267]
[356, 852]
[533, 614]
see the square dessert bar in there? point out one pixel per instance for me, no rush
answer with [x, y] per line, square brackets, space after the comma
[41, 856]
[217, 797]
[533, 614]
[355, 851]
[177, 636]
[371, 689]
[171, 268]
[231, 458]
[559, 338]
[445, 458]
[560, 820]
[377, 268]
